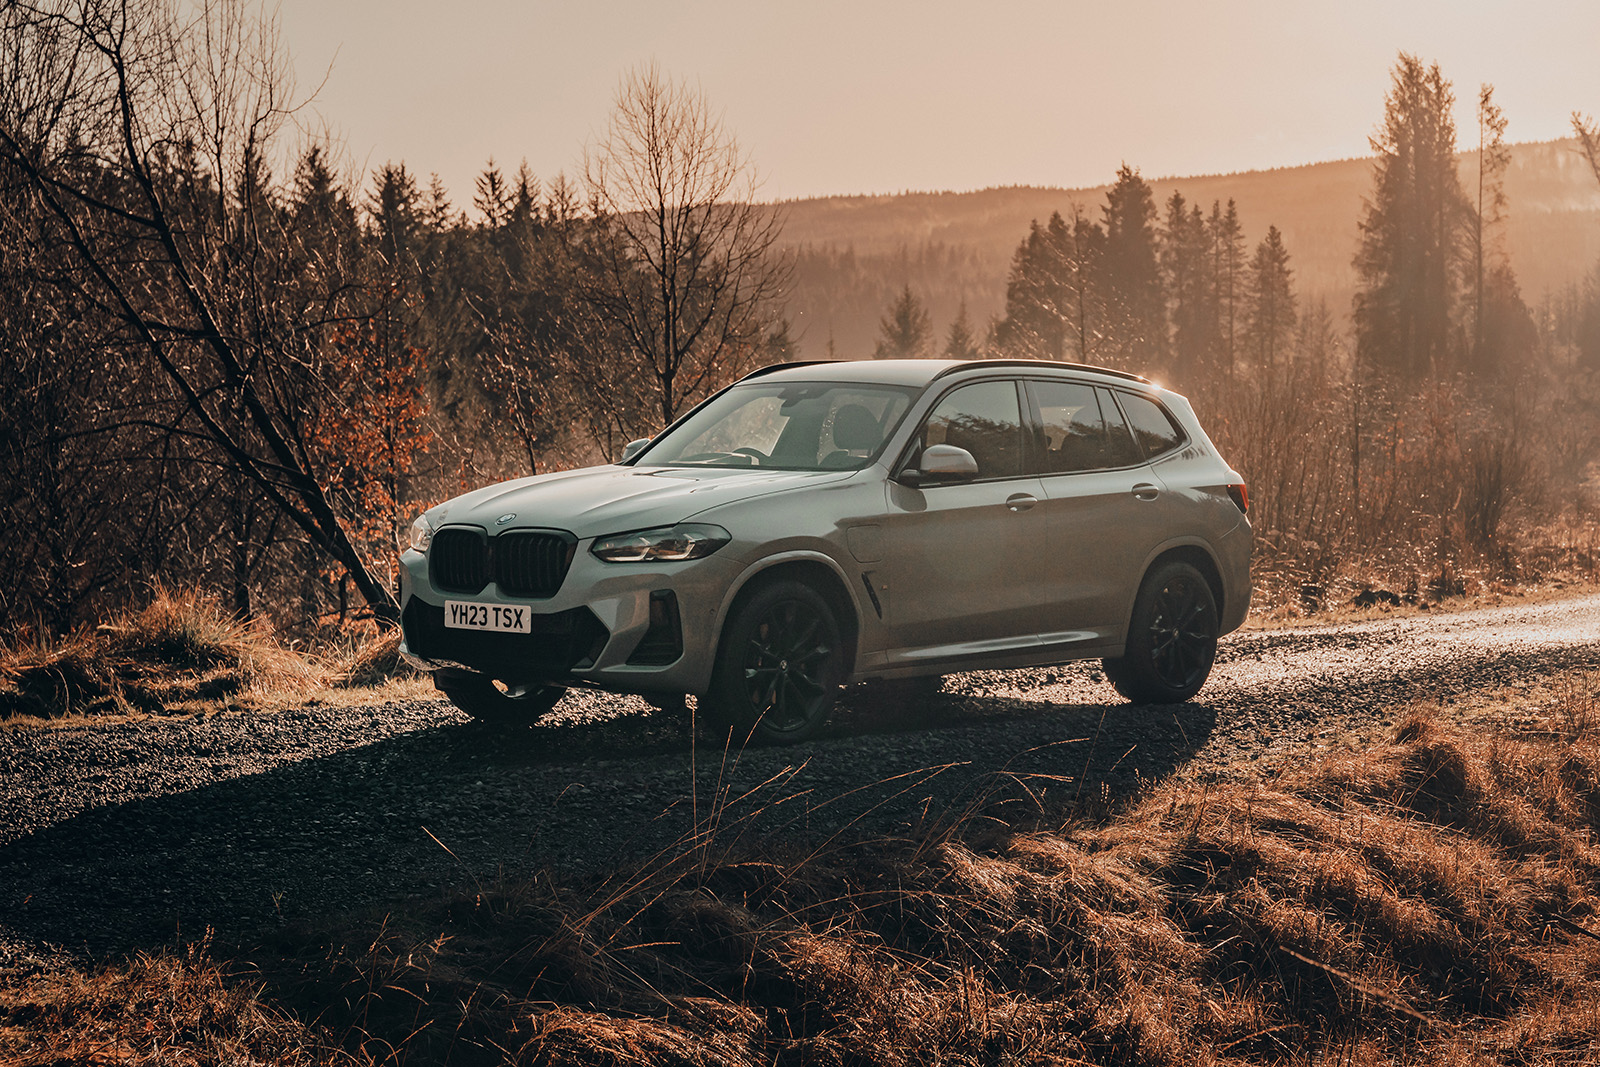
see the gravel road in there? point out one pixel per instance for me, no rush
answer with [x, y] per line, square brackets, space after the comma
[131, 834]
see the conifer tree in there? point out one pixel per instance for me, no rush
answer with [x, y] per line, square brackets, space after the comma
[1131, 276]
[1227, 271]
[1270, 316]
[1086, 312]
[396, 210]
[1186, 263]
[960, 343]
[906, 330]
[1502, 327]
[493, 198]
[1036, 294]
[1409, 262]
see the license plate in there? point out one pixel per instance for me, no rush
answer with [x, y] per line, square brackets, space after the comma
[501, 618]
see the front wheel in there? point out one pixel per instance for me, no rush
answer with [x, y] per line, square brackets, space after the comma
[479, 697]
[1172, 638]
[779, 666]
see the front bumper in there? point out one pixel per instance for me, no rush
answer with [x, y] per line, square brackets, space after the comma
[605, 626]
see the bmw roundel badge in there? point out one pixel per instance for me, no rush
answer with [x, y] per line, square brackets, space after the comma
[502, 520]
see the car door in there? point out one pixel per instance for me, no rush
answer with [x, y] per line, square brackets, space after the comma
[1101, 506]
[960, 556]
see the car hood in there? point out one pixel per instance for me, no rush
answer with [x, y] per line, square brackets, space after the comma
[614, 499]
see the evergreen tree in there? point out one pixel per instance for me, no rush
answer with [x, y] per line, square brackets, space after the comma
[1502, 327]
[1270, 314]
[1034, 326]
[493, 198]
[524, 196]
[1409, 262]
[1086, 312]
[906, 331]
[1186, 263]
[960, 343]
[1227, 271]
[1130, 276]
[396, 209]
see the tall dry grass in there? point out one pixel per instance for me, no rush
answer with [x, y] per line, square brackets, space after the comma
[181, 652]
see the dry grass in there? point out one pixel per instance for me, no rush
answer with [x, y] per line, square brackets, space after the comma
[1431, 899]
[182, 653]
[169, 1008]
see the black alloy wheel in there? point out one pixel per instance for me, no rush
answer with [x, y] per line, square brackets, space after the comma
[479, 697]
[1172, 638]
[779, 666]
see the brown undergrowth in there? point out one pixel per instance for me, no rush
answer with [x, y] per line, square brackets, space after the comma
[1433, 899]
[181, 653]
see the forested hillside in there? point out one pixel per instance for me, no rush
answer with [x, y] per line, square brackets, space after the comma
[855, 253]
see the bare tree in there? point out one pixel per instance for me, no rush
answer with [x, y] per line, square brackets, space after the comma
[1588, 133]
[683, 265]
[146, 151]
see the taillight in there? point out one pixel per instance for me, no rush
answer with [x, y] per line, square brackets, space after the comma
[1240, 494]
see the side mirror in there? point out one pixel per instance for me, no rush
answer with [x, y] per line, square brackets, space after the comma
[632, 448]
[942, 463]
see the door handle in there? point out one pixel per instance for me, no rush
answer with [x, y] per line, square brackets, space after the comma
[1021, 501]
[1146, 491]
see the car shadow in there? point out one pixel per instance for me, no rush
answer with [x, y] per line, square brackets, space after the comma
[417, 815]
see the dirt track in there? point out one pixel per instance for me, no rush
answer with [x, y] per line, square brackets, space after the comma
[132, 834]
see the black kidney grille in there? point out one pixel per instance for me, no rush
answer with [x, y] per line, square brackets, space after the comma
[531, 563]
[458, 560]
[525, 563]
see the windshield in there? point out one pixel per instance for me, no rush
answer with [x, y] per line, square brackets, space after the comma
[797, 426]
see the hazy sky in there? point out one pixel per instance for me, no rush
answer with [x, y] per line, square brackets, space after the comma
[863, 97]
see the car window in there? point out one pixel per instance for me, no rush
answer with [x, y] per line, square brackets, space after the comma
[1120, 449]
[984, 419]
[855, 425]
[755, 423]
[1083, 430]
[790, 426]
[1155, 430]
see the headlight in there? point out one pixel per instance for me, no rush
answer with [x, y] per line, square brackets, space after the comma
[421, 534]
[689, 541]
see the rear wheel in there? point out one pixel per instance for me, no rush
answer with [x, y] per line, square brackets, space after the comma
[479, 697]
[1172, 638]
[779, 666]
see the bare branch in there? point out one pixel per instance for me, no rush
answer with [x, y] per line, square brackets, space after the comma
[1588, 134]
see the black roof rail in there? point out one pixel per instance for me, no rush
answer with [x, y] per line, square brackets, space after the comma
[971, 363]
[771, 367]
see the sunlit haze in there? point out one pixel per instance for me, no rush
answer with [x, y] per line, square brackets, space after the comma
[842, 98]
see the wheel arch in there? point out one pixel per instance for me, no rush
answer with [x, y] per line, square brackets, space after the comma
[816, 570]
[1200, 558]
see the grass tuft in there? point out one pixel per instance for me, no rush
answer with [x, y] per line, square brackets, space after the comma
[373, 662]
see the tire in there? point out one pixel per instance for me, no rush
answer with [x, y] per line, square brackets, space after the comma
[779, 665]
[478, 696]
[1172, 638]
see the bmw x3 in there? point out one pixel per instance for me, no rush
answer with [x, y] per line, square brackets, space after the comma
[820, 524]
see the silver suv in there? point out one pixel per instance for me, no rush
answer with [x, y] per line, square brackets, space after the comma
[818, 524]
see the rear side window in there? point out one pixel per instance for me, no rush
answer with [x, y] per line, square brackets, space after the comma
[1083, 431]
[1156, 430]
